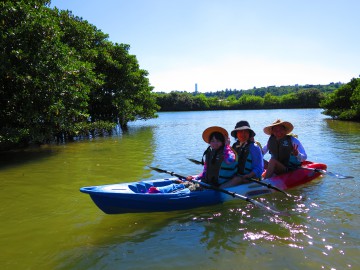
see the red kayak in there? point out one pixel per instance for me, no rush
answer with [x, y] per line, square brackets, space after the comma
[307, 172]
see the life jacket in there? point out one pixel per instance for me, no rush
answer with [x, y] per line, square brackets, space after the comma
[217, 170]
[245, 159]
[282, 150]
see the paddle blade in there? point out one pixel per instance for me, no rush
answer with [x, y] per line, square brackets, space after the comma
[340, 176]
[273, 211]
[195, 161]
[255, 203]
[157, 169]
[337, 175]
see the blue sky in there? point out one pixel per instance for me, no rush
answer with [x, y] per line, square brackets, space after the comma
[232, 44]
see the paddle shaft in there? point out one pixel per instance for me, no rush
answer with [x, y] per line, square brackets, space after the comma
[233, 194]
[269, 186]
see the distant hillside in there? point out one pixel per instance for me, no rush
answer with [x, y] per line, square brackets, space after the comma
[275, 90]
[271, 97]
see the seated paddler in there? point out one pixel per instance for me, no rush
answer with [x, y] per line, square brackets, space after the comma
[250, 157]
[287, 152]
[219, 159]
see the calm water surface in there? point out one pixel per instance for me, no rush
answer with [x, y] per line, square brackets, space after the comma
[46, 223]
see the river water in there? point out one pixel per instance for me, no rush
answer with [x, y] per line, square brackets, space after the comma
[46, 223]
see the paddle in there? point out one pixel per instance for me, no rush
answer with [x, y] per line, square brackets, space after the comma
[233, 194]
[196, 161]
[337, 175]
[252, 180]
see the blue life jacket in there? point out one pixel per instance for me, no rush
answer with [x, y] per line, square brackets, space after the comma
[244, 156]
[217, 170]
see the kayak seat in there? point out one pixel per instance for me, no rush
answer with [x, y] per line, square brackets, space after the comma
[147, 185]
[140, 187]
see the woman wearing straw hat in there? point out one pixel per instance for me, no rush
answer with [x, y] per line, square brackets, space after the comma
[220, 163]
[286, 151]
[250, 158]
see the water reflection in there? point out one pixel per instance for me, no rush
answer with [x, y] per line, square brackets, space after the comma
[21, 157]
[252, 225]
[346, 134]
[49, 224]
[343, 127]
[137, 241]
[42, 209]
[228, 227]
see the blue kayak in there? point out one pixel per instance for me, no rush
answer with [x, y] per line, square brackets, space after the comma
[134, 197]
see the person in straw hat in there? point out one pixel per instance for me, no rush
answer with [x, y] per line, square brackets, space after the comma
[250, 157]
[220, 163]
[286, 151]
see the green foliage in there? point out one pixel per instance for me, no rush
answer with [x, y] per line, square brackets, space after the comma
[43, 81]
[250, 102]
[60, 77]
[271, 101]
[176, 101]
[126, 93]
[275, 90]
[95, 128]
[183, 101]
[344, 103]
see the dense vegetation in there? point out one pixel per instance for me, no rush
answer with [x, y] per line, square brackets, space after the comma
[344, 103]
[60, 77]
[340, 101]
[272, 97]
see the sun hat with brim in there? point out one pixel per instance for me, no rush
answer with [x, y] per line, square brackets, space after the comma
[287, 125]
[207, 132]
[242, 125]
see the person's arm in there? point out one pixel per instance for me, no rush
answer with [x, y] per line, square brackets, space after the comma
[230, 157]
[298, 149]
[257, 162]
[202, 174]
[265, 149]
[229, 154]
[236, 180]
[199, 176]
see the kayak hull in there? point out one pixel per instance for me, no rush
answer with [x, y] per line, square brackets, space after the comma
[133, 197]
[119, 198]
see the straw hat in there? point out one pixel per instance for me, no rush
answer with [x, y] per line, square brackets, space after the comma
[242, 125]
[207, 132]
[287, 125]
